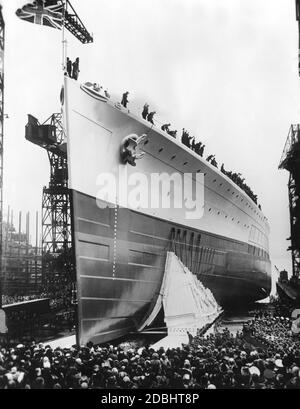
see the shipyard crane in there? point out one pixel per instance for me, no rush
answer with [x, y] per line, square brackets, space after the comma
[74, 25]
[3, 327]
[2, 37]
[56, 212]
[298, 19]
[57, 14]
[290, 161]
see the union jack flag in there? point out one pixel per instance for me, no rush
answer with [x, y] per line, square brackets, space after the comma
[45, 12]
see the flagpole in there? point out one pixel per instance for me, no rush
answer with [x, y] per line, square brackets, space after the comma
[64, 40]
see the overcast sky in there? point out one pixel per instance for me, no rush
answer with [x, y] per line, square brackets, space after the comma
[225, 70]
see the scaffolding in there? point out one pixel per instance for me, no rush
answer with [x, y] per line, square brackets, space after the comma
[2, 34]
[290, 161]
[298, 19]
[22, 262]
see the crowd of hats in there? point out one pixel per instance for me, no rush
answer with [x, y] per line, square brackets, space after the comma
[27, 321]
[274, 333]
[218, 361]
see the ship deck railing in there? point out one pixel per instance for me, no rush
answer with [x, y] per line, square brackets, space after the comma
[136, 114]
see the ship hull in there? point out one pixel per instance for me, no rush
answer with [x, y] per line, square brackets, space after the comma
[120, 249]
[119, 275]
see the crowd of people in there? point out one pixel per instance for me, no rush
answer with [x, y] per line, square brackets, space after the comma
[59, 297]
[60, 314]
[273, 332]
[238, 180]
[190, 142]
[218, 361]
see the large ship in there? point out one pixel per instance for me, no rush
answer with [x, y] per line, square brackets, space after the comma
[121, 247]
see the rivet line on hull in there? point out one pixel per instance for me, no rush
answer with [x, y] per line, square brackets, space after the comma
[115, 239]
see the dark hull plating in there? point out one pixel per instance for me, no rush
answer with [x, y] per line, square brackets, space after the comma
[120, 260]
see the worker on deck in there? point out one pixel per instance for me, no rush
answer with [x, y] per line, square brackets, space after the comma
[201, 151]
[150, 117]
[165, 128]
[214, 162]
[69, 67]
[125, 101]
[173, 133]
[185, 138]
[107, 94]
[145, 111]
[76, 70]
[198, 147]
[193, 144]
